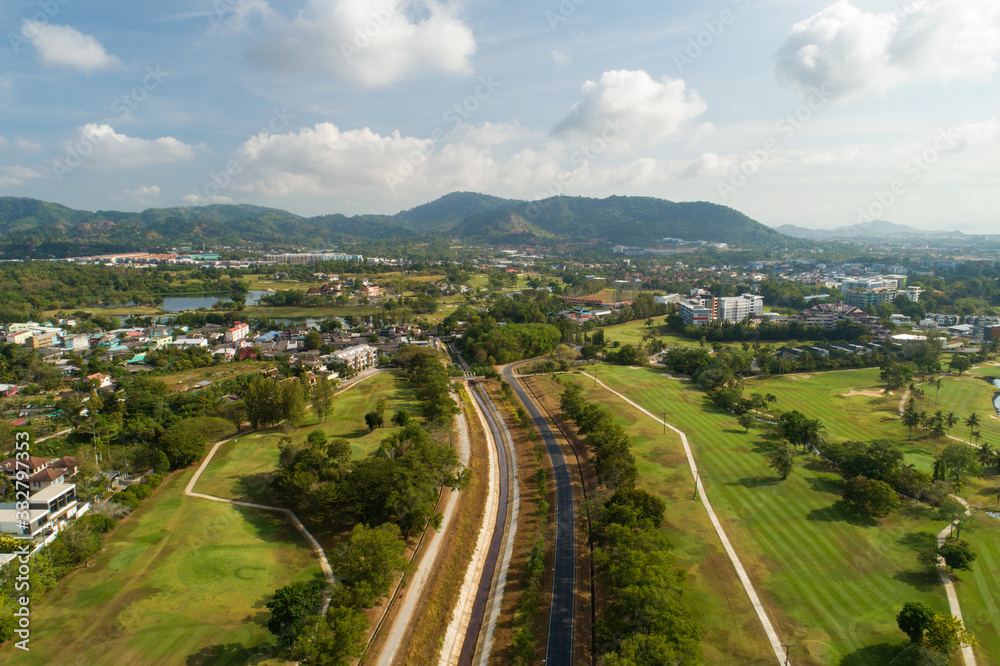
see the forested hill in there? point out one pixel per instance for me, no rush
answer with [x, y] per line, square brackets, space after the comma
[36, 228]
[620, 220]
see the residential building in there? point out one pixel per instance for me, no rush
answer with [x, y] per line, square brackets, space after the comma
[668, 299]
[869, 299]
[18, 337]
[828, 315]
[359, 357]
[101, 381]
[238, 332]
[695, 312]
[48, 509]
[739, 308]
[77, 343]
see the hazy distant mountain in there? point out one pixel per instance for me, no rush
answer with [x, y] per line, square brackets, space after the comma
[864, 230]
[35, 228]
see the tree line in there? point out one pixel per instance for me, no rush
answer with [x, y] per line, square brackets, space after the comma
[646, 619]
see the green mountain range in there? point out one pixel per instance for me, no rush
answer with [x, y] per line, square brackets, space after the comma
[32, 228]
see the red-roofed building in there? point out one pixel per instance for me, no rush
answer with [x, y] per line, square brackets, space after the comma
[238, 332]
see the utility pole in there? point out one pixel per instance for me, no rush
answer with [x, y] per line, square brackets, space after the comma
[788, 648]
[664, 423]
[697, 474]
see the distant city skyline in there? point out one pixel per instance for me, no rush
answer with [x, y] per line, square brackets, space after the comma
[817, 114]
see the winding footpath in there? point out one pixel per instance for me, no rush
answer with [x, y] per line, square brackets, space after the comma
[317, 548]
[968, 656]
[320, 553]
[772, 635]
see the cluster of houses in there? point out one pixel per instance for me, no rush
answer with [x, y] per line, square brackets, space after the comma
[332, 286]
[130, 347]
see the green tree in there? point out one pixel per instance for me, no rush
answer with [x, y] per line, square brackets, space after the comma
[781, 460]
[161, 465]
[374, 421]
[914, 619]
[322, 398]
[960, 364]
[870, 497]
[957, 555]
[911, 418]
[747, 421]
[961, 459]
[369, 562]
[313, 340]
[973, 422]
[336, 640]
[946, 634]
[290, 606]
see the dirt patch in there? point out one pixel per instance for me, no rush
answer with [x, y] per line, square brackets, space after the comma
[871, 393]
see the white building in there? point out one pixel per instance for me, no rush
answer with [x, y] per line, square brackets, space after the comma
[668, 299]
[77, 342]
[238, 332]
[695, 312]
[359, 357]
[739, 308]
[48, 509]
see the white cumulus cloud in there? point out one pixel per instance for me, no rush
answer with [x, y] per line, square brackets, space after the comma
[323, 159]
[16, 175]
[367, 42]
[102, 147]
[63, 46]
[627, 107]
[145, 195]
[850, 51]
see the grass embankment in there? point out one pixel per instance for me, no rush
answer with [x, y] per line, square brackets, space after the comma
[183, 580]
[530, 527]
[433, 614]
[832, 583]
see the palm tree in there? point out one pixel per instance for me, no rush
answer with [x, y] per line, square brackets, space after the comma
[972, 421]
[812, 433]
[911, 419]
[951, 420]
[937, 388]
[988, 456]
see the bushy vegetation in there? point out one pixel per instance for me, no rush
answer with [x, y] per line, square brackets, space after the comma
[646, 619]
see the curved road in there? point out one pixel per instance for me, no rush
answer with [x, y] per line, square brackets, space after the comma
[559, 649]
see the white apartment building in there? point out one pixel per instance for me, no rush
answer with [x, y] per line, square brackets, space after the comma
[738, 308]
[238, 332]
[359, 357]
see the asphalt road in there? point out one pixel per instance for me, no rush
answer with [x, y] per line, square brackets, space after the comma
[489, 567]
[559, 649]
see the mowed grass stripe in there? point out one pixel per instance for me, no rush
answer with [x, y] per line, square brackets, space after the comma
[978, 590]
[835, 578]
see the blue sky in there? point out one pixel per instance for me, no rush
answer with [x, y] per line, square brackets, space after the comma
[812, 113]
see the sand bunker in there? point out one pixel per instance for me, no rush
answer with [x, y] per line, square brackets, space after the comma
[871, 393]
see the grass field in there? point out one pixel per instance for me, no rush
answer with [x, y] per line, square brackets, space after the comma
[632, 332]
[186, 379]
[734, 634]
[832, 582]
[825, 396]
[979, 591]
[182, 581]
[240, 468]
